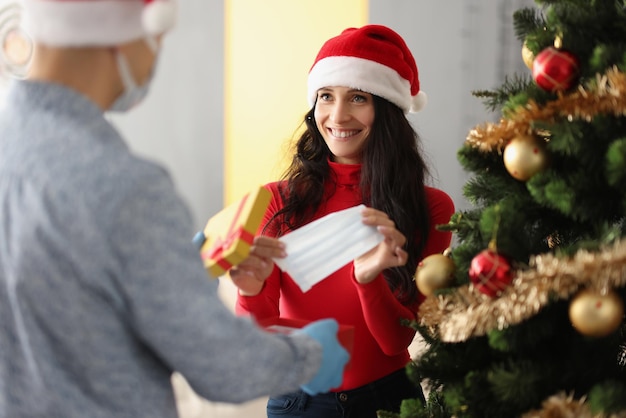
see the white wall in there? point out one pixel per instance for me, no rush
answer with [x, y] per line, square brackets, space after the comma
[180, 123]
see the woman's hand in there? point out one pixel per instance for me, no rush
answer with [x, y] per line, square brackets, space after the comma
[250, 274]
[388, 253]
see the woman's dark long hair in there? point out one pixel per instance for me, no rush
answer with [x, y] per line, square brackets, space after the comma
[393, 173]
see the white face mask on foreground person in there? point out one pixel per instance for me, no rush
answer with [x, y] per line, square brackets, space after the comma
[134, 92]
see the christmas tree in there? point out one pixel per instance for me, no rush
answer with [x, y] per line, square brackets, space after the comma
[525, 316]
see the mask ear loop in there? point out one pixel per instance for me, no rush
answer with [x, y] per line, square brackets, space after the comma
[125, 73]
[124, 68]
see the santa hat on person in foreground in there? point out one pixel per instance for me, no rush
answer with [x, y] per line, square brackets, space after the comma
[96, 22]
[373, 59]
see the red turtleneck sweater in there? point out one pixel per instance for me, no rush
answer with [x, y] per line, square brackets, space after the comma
[380, 341]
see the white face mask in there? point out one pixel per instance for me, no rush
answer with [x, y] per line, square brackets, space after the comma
[133, 93]
[343, 231]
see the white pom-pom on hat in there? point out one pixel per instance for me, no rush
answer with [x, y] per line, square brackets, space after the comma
[159, 16]
[418, 102]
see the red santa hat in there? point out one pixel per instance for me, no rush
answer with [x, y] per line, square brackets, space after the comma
[96, 22]
[373, 59]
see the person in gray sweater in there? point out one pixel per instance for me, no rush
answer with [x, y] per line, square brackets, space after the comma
[102, 293]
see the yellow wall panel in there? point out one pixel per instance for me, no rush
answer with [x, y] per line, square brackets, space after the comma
[270, 46]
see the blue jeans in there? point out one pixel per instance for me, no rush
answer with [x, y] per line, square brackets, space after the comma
[386, 394]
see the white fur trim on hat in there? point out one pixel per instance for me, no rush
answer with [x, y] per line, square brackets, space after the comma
[84, 23]
[365, 75]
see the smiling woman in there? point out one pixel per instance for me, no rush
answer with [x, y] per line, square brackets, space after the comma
[358, 148]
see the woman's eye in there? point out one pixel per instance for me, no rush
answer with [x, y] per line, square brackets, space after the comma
[324, 96]
[360, 99]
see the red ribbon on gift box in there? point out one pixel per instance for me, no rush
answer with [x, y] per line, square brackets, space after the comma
[216, 252]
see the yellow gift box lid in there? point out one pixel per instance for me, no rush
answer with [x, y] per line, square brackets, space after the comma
[227, 236]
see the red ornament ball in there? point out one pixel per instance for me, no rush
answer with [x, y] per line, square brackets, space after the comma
[490, 273]
[555, 69]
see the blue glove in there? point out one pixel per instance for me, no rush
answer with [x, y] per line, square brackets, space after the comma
[334, 356]
[198, 239]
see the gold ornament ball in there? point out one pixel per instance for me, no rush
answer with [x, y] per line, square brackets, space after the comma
[594, 314]
[525, 156]
[434, 272]
[528, 56]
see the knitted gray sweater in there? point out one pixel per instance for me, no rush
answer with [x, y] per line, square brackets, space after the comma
[102, 293]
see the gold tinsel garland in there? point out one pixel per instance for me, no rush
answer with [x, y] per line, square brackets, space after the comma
[466, 312]
[607, 95]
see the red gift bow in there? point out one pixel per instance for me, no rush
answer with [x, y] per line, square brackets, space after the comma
[216, 251]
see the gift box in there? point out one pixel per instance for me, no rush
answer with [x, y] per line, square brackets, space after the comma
[345, 334]
[227, 237]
